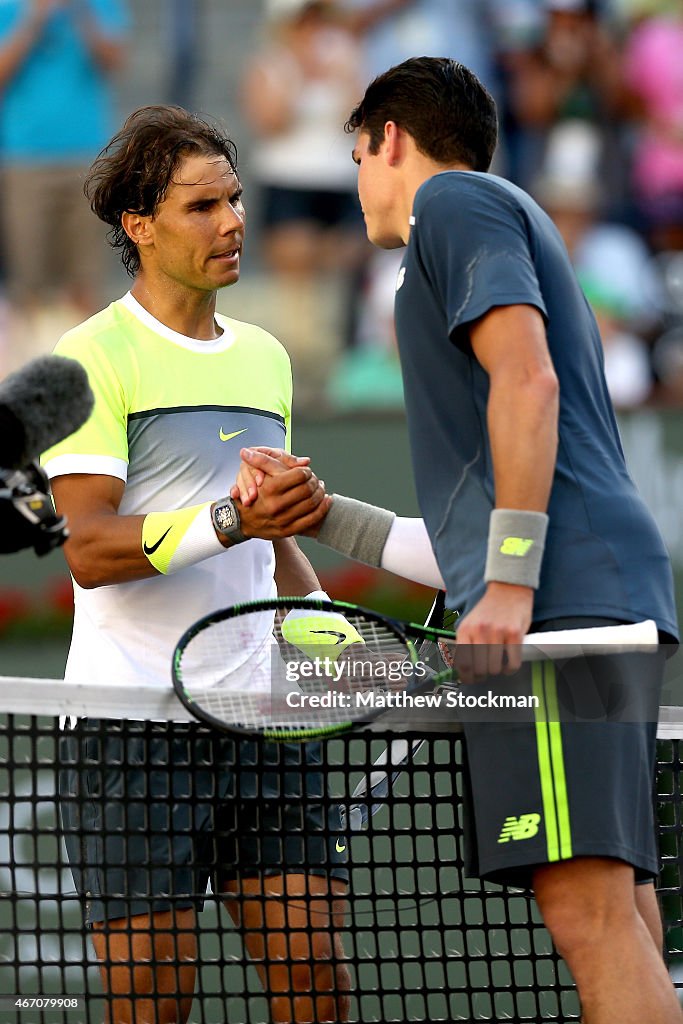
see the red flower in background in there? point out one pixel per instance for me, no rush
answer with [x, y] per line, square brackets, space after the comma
[14, 606]
[60, 596]
[379, 590]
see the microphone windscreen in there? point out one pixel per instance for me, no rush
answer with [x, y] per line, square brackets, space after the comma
[41, 404]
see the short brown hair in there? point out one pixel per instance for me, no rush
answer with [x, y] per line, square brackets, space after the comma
[440, 103]
[132, 173]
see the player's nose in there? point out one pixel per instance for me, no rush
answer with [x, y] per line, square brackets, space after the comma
[232, 219]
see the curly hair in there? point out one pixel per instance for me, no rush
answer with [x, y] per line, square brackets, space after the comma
[133, 172]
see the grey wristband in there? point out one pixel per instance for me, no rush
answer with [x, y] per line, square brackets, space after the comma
[356, 529]
[515, 547]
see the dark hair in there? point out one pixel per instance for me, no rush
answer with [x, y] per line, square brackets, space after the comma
[440, 103]
[133, 172]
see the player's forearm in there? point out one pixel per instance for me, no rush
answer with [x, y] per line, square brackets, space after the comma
[523, 422]
[408, 552]
[382, 539]
[108, 548]
[294, 574]
[105, 549]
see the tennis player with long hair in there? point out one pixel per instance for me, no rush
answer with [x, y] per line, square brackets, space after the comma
[155, 543]
[533, 518]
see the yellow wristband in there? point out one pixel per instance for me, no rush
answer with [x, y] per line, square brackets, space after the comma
[174, 540]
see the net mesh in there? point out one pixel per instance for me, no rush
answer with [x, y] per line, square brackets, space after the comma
[419, 941]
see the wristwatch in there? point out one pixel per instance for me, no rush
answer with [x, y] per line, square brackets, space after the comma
[226, 520]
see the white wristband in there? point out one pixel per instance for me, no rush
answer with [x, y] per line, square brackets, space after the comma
[174, 540]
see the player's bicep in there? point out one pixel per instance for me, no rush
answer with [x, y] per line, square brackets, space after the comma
[511, 342]
[83, 496]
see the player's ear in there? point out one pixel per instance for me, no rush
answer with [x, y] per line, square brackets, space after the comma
[137, 227]
[394, 138]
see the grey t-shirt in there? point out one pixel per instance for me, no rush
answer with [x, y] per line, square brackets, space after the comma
[478, 242]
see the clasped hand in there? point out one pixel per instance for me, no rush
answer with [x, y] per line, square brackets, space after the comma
[278, 495]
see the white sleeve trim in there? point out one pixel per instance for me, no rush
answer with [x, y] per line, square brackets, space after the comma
[408, 552]
[94, 465]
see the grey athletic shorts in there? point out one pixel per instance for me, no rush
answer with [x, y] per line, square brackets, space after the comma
[573, 778]
[152, 812]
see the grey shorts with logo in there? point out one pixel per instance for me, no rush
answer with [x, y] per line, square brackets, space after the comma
[152, 812]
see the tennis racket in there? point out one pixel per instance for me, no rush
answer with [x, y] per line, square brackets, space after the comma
[303, 668]
[298, 668]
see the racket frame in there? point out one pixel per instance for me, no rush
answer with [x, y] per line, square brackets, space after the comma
[405, 633]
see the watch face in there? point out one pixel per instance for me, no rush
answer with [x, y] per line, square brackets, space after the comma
[224, 518]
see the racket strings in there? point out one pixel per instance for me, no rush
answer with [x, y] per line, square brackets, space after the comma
[268, 670]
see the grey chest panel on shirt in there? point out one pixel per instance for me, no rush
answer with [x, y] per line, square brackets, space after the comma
[196, 441]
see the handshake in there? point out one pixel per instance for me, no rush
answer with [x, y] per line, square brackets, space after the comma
[278, 495]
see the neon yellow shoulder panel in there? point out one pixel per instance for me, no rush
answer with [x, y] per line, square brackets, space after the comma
[132, 370]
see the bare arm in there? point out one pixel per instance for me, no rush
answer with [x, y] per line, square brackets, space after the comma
[103, 547]
[522, 416]
[16, 47]
[269, 96]
[107, 51]
[294, 575]
[106, 548]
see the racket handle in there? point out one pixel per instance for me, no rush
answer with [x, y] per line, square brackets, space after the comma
[567, 643]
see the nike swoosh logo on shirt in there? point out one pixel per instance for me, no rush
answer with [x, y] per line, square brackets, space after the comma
[150, 550]
[228, 437]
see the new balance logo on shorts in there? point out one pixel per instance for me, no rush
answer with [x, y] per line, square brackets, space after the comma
[524, 827]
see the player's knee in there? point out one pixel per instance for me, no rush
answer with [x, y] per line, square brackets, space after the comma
[580, 923]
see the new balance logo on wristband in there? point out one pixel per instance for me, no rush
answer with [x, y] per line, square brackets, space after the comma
[524, 827]
[516, 546]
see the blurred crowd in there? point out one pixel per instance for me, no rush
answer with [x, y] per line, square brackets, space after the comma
[590, 95]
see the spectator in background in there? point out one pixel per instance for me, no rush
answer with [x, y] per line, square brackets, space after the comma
[184, 47]
[653, 71]
[393, 30]
[56, 62]
[572, 71]
[627, 358]
[297, 88]
[613, 264]
[368, 374]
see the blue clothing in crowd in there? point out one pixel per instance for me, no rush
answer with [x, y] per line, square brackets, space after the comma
[58, 107]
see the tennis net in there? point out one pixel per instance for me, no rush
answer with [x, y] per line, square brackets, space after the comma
[422, 942]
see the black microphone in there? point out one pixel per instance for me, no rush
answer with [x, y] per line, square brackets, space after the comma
[41, 404]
